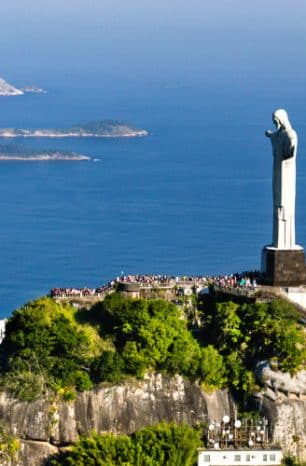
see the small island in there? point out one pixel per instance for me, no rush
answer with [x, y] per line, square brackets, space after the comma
[33, 90]
[7, 89]
[98, 128]
[23, 154]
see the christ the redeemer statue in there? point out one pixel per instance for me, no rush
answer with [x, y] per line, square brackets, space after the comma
[283, 261]
[284, 145]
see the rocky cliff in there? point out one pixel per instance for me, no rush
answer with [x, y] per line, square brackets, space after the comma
[287, 418]
[46, 426]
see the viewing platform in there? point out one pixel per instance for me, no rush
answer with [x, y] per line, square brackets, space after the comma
[139, 286]
[234, 287]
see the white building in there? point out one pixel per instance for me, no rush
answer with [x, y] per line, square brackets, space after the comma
[241, 457]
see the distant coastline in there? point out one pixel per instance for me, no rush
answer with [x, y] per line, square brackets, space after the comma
[20, 153]
[7, 89]
[33, 90]
[95, 129]
[43, 157]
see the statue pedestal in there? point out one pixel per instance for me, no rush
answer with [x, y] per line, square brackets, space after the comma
[283, 267]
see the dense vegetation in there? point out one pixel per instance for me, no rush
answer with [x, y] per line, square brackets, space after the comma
[290, 461]
[51, 347]
[148, 335]
[104, 127]
[24, 151]
[46, 348]
[248, 333]
[9, 445]
[160, 445]
[97, 127]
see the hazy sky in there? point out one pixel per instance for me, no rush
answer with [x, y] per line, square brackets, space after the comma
[154, 37]
[284, 12]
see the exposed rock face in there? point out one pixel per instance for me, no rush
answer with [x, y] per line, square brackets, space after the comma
[277, 382]
[287, 419]
[34, 453]
[121, 409]
[44, 426]
[283, 401]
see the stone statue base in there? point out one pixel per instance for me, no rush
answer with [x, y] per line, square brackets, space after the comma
[283, 267]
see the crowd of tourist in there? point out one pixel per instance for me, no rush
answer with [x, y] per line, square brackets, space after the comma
[247, 280]
[81, 292]
[146, 280]
[238, 280]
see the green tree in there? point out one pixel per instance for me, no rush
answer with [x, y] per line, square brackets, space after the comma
[9, 445]
[166, 445]
[149, 335]
[43, 344]
[108, 367]
[212, 368]
[290, 347]
[229, 325]
[248, 333]
[160, 445]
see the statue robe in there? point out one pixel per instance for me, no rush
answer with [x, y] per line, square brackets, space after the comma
[284, 144]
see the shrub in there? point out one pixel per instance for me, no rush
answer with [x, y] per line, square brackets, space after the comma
[160, 445]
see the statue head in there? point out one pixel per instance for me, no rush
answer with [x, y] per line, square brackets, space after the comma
[280, 119]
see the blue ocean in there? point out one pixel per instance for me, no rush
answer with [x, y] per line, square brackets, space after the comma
[192, 198]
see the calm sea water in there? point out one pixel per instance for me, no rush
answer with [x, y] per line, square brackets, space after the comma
[194, 197]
